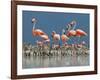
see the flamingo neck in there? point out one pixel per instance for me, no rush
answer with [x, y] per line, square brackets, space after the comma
[53, 34]
[63, 31]
[34, 25]
[74, 27]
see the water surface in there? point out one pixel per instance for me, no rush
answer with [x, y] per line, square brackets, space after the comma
[54, 61]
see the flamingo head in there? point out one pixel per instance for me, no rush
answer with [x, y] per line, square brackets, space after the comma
[63, 31]
[73, 22]
[53, 33]
[33, 20]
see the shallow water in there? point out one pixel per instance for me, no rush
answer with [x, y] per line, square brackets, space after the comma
[54, 61]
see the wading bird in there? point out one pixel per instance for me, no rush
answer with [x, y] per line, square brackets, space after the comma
[36, 32]
[64, 37]
[80, 33]
[56, 37]
[45, 39]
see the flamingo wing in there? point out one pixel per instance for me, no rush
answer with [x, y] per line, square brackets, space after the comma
[71, 33]
[37, 32]
[45, 37]
[80, 32]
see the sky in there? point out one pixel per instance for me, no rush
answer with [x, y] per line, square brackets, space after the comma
[54, 21]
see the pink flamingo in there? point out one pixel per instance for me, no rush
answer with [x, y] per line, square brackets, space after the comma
[64, 37]
[45, 39]
[71, 33]
[80, 33]
[36, 32]
[55, 36]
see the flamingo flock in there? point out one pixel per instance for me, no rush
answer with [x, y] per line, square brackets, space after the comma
[66, 34]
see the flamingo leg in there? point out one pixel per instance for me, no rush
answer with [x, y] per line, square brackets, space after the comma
[74, 27]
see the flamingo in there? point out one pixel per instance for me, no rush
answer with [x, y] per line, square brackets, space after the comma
[71, 33]
[64, 37]
[80, 33]
[36, 32]
[70, 28]
[45, 39]
[55, 36]
[39, 32]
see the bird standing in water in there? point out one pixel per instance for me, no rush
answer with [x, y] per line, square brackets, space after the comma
[36, 32]
[56, 38]
[64, 38]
